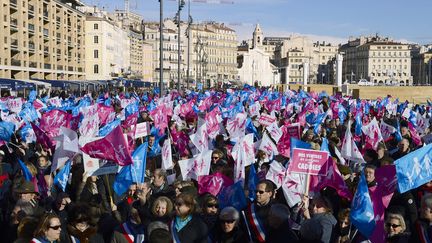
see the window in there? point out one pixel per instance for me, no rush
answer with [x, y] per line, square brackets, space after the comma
[95, 54]
[95, 68]
[95, 26]
[95, 39]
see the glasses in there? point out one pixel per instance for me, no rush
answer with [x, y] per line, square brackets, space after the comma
[260, 192]
[55, 227]
[227, 221]
[394, 226]
[212, 206]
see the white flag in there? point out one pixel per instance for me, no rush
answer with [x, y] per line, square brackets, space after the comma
[167, 162]
[275, 131]
[236, 127]
[386, 130]
[276, 173]
[268, 146]
[294, 187]
[349, 148]
[200, 138]
[196, 166]
[243, 154]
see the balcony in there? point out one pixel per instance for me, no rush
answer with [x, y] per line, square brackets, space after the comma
[14, 24]
[45, 16]
[47, 66]
[60, 67]
[70, 68]
[46, 51]
[31, 10]
[14, 44]
[31, 47]
[15, 62]
[31, 28]
[13, 3]
[33, 64]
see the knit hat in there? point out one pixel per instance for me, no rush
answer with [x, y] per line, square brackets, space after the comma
[229, 213]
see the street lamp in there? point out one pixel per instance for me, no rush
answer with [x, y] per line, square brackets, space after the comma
[177, 20]
[161, 48]
[188, 45]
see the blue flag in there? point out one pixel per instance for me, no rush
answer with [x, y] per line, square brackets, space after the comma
[251, 128]
[32, 96]
[342, 113]
[233, 196]
[414, 169]
[109, 127]
[296, 143]
[123, 180]
[362, 213]
[26, 172]
[62, 177]
[358, 125]
[131, 109]
[324, 145]
[139, 157]
[398, 134]
[25, 134]
[7, 129]
[252, 182]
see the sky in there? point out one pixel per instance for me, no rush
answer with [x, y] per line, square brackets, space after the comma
[325, 20]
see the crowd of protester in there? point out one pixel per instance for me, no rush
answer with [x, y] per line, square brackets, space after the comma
[169, 208]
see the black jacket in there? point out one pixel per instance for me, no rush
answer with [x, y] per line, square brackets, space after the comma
[195, 231]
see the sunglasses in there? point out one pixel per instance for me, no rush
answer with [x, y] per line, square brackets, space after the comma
[215, 157]
[212, 206]
[227, 221]
[260, 192]
[55, 227]
[394, 226]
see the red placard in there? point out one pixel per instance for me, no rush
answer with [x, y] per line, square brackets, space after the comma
[306, 161]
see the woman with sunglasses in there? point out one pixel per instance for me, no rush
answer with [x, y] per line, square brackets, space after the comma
[48, 230]
[187, 227]
[396, 229]
[228, 230]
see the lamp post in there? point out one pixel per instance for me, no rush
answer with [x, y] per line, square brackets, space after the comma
[177, 20]
[188, 44]
[161, 48]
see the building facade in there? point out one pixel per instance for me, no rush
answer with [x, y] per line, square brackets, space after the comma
[378, 60]
[421, 64]
[42, 40]
[106, 45]
[255, 68]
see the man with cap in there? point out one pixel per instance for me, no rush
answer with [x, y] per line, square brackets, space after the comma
[26, 191]
[227, 229]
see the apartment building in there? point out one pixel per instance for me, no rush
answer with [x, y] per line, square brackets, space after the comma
[42, 40]
[378, 60]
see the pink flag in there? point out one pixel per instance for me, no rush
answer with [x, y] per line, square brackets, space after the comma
[42, 138]
[38, 104]
[160, 118]
[213, 184]
[181, 142]
[386, 130]
[130, 121]
[185, 109]
[373, 134]
[414, 135]
[51, 122]
[212, 120]
[112, 147]
[104, 113]
[284, 144]
[333, 179]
